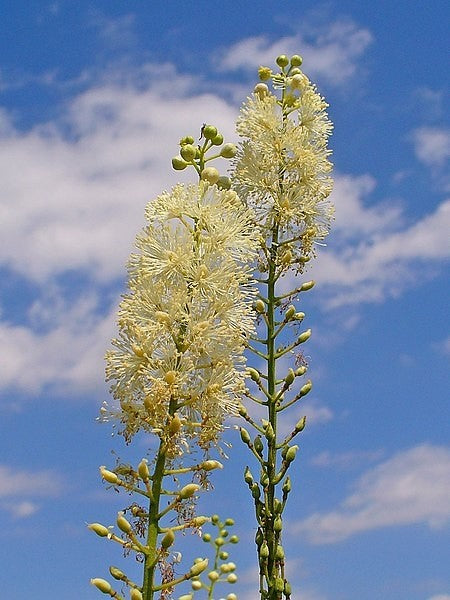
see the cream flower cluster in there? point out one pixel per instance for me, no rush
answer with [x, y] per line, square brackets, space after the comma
[183, 325]
[282, 168]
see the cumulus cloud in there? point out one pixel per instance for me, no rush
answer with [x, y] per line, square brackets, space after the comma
[432, 145]
[331, 53]
[411, 487]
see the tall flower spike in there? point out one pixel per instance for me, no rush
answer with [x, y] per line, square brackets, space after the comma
[184, 322]
[282, 167]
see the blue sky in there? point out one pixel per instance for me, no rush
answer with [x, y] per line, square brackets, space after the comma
[94, 97]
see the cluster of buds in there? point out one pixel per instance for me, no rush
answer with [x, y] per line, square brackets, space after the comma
[289, 77]
[194, 155]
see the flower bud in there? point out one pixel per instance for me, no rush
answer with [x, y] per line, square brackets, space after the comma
[135, 594]
[277, 524]
[248, 477]
[270, 434]
[168, 539]
[215, 519]
[256, 492]
[188, 152]
[117, 573]
[290, 454]
[186, 597]
[304, 336]
[213, 575]
[301, 371]
[196, 585]
[289, 379]
[99, 529]
[282, 60]
[279, 553]
[259, 306]
[108, 476]
[209, 132]
[299, 316]
[231, 597]
[219, 541]
[279, 584]
[217, 140]
[175, 425]
[228, 151]
[229, 522]
[300, 425]
[287, 588]
[179, 163]
[198, 567]
[122, 523]
[290, 312]
[296, 60]
[199, 521]
[258, 445]
[245, 436]
[287, 485]
[254, 375]
[188, 139]
[223, 555]
[224, 182]
[307, 285]
[210, 465]
[188, 491]
[143, 471]
[102, 585]
[305, 389]
[264, 551]
[261, 90]
[232, 578]
[210, 174]
[206, 537]
[277, 506]
[234, 539]
[264, 73]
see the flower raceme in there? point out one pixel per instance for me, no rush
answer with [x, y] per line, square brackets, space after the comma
[183, 324]
[282, 167]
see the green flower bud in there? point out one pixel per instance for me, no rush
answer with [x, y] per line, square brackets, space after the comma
[135, 594]
[259, 538]
[304, 336]
[245, 436]
[219, 541]
[168, 539]
[209, 132]
[256, 492]
[196, 585]
[287, 588]
[223, 555]
[261, 90]
[264, 551]
[270, 434]
[296, 60]
[224, 182]
[122, 523]
[213, 575]
[234, 539]
[108, 476]
[301, 371]
[224, 533]
[259, 306]
[258, 445]
[178, 163]
[210, 465]
[232, 578]
[279, 554]
[199, 521]
[215, 519]
[307, 285]
[300, 425]
[264, 73]
[254, 375]
[210, 174]
[186, 597]
[175, 425]
[188, 139]
[290, 312]
[287, 485]
[198, 567]
[289, 379]
[117, 573]
[290, 454]
[278, 524]
[99, 529]
[231, 597]
[102, 585]
[277, 506]
[282, 60]
[206, 537]
[188, 152]
[305, 389]
[228, 151]
[143, 471]
[299, 316]
[188, 491]
[217, 140]
[248, 477]
[279, 584]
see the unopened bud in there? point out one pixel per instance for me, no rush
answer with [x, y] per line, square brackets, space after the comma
[209, 132]
[210, 174]
[168, 539]
[99, 529]
[304, 336]
[261, 90]
[307, 286]
[282, 60]
[264, 551]
[290, 454]
[260, 307]
[305, 389]
[299, 316]
[186, 140]
[301, 371]
[175, 425]
[245, 436]
[270, 434]
[264, 73]
[256, 492]
[210, 465]
[228, 151]
[188, 152]
[279, 584]
[234, 539]
[279, 553]
[196, 585]
[232, 578]
[199, 521]
[188, 491]
[290, 312]
[198, 567]
[254, 375]
[296, 60]
[217, 140]
[179, 163]
[117, 573]
[102, 585]
[213, 575]
[289, 379]
[108, 476]
[300, 425]
[258, 445]
[143, 471]
[278, 524]
[248, 477]
[135, 594]
[224, 182]
[122, 523]
[287, 485]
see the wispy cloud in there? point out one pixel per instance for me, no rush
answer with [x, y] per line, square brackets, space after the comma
[411, 487]
[432, 145]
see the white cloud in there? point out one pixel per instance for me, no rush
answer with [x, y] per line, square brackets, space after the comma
[331, 53]
[411, 487]
[440, 597]
[432, 145]
[345, 460]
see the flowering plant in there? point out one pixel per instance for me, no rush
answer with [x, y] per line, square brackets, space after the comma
[204, 292]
